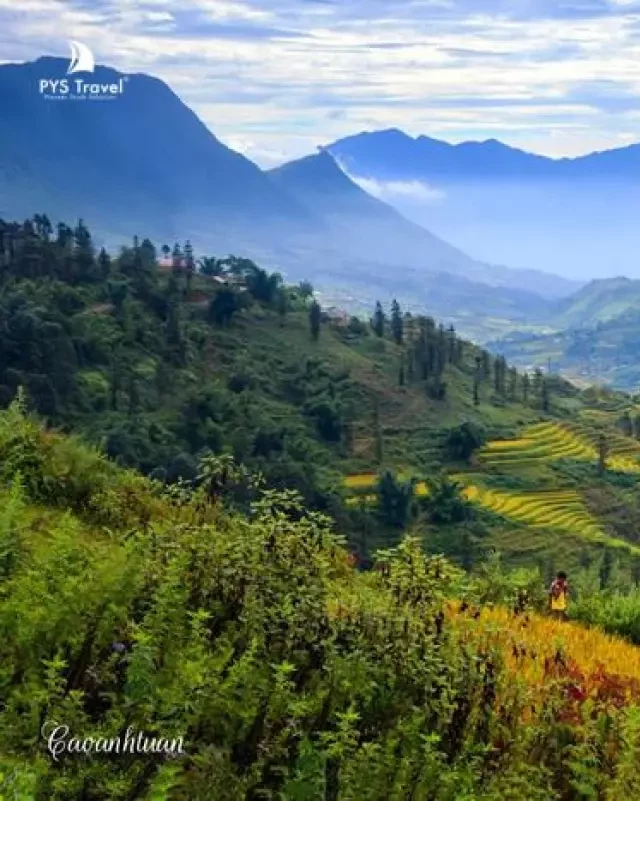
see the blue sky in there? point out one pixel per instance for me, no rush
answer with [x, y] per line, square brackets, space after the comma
[275, 78]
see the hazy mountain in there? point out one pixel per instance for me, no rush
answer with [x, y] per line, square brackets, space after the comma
[599, 302]
[371, 227]
[576, 217]
[367, 227]
[144, 163]
[393, 155]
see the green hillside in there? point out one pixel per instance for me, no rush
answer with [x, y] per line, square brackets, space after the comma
[162, 364]
[605, 353]
[599, 302]
[593, 339]
[158, 367]
[305, 545]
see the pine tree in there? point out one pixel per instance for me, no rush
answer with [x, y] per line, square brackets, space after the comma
[177, 260]
[104, 263]
[603, 453]
[84, 252]
[314, 320]
[451, 334]
[477, 378]
[441, 350]
[545, 399]
[397, 325]
[379, 321]
[500, 370]
[537, 382]
[486, 364]
[189, 263]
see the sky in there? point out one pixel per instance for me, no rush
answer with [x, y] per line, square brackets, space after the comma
[276, 78]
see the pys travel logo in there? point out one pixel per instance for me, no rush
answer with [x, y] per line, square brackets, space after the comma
[75, 88]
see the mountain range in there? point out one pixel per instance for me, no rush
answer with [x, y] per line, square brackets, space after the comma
[394, 155]
[577, 217]
[144, 163]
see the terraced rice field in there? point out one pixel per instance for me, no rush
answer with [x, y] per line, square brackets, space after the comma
[624, 451]
[561, 510]
[552, 440]
[542, 442]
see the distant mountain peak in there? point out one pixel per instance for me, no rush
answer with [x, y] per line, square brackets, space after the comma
[141, 163]
[318, 170]
[393, 134]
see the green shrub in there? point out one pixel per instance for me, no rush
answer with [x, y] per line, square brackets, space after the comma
[613, 612]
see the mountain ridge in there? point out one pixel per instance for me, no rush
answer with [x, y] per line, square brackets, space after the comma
[348, 146]
[145, 163]
[576, 216]
[319, 177]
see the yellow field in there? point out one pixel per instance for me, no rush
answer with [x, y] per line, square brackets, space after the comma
[531, 642]
[562, 510]
[551, 440]
[360, 481]
[538, 443]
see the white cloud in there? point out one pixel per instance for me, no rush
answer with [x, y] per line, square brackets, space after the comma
[157, 16]
[221, 10]
[286, 76]
[407, 190]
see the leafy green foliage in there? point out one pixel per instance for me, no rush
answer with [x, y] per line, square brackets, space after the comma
[166, 367]
[287, 674]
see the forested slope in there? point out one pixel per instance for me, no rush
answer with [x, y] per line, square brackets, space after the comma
[161, 358]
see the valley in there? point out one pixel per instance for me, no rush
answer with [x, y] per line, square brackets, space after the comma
[169, 176]
[314, 469]
[276, 510]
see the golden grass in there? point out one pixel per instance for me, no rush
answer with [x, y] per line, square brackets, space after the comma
[531, 641]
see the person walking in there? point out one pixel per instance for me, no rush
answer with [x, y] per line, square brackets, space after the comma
[559, 596]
